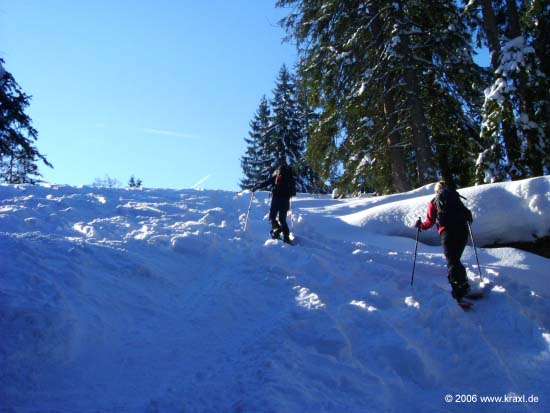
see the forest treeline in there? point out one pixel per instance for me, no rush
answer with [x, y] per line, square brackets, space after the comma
[388, 96]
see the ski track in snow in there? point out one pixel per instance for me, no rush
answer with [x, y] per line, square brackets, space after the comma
[155, 301]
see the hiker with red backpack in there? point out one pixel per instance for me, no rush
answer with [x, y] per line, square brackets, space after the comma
[452, 218]
[283, 187]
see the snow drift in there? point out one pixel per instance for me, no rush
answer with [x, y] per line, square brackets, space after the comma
[118, 300]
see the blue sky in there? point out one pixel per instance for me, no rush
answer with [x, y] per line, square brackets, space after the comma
[163, 90]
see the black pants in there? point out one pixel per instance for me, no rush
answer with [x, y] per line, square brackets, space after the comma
[454, 241]
[279, 208]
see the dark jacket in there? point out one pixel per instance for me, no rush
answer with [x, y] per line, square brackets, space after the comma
[285, 187]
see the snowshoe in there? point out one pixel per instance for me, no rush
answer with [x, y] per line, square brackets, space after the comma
[465, 305]
[475, 295]
[275, 233]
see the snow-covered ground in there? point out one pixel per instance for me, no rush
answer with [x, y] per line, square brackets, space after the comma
[117, 300]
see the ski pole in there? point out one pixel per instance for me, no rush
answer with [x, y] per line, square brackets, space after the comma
[475, 251]
[415, 250]
[291, 217]
[248, 212]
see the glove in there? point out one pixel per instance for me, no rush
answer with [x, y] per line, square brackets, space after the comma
[418, 224]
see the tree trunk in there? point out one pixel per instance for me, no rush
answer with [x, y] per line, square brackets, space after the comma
[400, 179]
[424, 163]
[514, 28]
[443, 160]
[491, 32]
[396, 151]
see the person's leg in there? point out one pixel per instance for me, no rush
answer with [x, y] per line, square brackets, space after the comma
[273, 210]
[453, 245]
[461, 240]
[285, 205]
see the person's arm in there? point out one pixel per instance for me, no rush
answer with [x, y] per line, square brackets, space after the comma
[263, 185]
[431, 216]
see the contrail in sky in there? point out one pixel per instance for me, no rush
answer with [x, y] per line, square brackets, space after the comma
[200, 182]
[151, 131]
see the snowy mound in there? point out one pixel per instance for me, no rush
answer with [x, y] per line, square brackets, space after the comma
[156, 301]
[504, 212]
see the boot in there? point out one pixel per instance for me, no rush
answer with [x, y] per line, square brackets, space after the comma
[286, 237]
[275, 233]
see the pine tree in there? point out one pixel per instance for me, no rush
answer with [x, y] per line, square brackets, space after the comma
[256, 163]
[516, 114]
[385, 76]
[134, 183]
[287, 131]
[312, 182]
[330, 66]
[18, 153]
[19, 168]
[536, 18]
[287, 139]
[450, 87]
[434, 82]
[278, 131]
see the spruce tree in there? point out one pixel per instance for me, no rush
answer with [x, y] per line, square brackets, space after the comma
[516, 113]
[312, 181]
[286, 133]
[256, 162]
[278, 131]
[385, 76]
[536, 17]
[134, 183]
[18, 153]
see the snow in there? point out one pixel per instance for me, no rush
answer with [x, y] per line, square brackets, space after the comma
[497, 91]
[513, 56]
[115, 300]
[512, 60]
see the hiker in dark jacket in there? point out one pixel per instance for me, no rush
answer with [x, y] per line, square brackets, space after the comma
[283, 187]
[451, 217]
